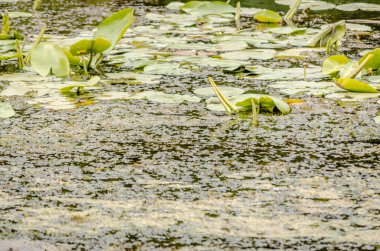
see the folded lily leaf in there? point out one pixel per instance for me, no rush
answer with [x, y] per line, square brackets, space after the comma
[354, 85]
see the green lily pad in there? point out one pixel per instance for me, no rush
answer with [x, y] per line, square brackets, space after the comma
[359, 6]
[6, 110]
[226, 90]
[165, 69]
[354, 85]
[374, 62]
[352, 96]
[81, 47]
[287, 30]
[48, 57]
[348, 68]
[258, 54]
[268, 16]
[165, 98]
[315, 5]
[114, 27]
[69, 88]
[377, 119]
[333, 64]
[174, 5]
[16, 14]
[358, 27]
[15, 89]
[132, 78]
[244, 101]
[199, 8]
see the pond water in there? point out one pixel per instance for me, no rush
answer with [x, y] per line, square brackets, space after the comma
[111, 173]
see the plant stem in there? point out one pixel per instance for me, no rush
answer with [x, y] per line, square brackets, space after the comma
[91, 55]
[6, 24]
[37, 4]
[237, 17]
[255, 121]
[38, 40]
[228, 110]
[222, 98]
[21, 62]
[292, 11]
[361, 66]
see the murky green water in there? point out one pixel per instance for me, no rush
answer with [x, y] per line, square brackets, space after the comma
[138, 175]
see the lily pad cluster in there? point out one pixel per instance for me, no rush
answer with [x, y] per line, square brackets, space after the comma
[345, 70]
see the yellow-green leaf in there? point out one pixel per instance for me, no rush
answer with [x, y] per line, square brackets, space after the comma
[354, 85]
[268, 16]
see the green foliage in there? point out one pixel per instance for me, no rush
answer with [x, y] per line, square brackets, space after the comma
[114, 27]
[374, 62]
[6, 110]
[354, 85]
[268, 16]
[333, 64]
[330, 36]
[49, 58]
[199, 8]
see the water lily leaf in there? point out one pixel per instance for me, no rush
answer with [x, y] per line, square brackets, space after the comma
[374, 62]
[48, 57]
[315, 5]
[165, 98]
[114, 27]
[226, 90]
[207, 8]
[358, 27]
[132, 78]
[333, 64]
[268, 16]
[352, 96]
[377, 119]
[348, 68]
[174, 5]
[329, 35]
[165, 69]
[258, 54]
[75, 85]
[359, 6]
[6, 110]
[267, 101]
[245, 104]
[15, 14]
[355, 85]
[15, 89]
[81, 47]
[100, 45]
[287, 30]
[299, 53]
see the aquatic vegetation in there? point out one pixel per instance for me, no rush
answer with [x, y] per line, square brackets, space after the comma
[268, 16]
[329, 37]
[6, 110]
[248, 102]
[48, 58]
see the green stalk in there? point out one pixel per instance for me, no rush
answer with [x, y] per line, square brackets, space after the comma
[292, 11]
[255, 121]
[361, 66]
[220, 95]
[228, 110]
[37, 4]
[38, 40]
[6, 24]
[237, 17]
[21, 62]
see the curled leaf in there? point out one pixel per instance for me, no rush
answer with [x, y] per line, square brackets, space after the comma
[354, 85]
